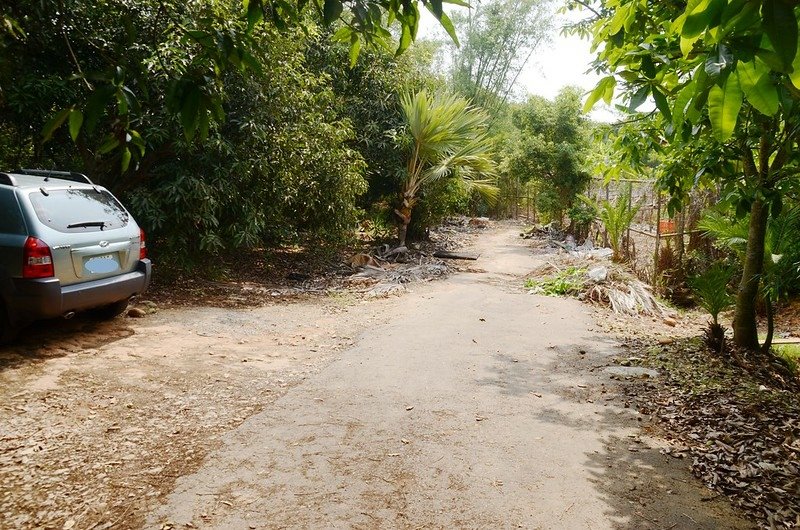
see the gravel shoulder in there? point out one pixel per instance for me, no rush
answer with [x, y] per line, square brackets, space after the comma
[463, 403]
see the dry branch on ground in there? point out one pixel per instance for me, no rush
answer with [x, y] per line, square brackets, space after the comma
[600, 282]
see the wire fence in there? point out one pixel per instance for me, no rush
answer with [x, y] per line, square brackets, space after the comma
[655, 239]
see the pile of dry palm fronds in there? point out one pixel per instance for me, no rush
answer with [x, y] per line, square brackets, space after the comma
[602, 283]
[625, 294]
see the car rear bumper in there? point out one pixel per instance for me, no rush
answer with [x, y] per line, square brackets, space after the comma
[31, 300]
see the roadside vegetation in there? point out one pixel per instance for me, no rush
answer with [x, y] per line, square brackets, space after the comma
[228, 127]
[711, 90]
[270, 129]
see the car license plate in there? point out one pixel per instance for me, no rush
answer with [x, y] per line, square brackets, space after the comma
[102, 264]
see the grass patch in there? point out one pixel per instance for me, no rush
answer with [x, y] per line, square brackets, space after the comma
[789, 353]
[568, 282]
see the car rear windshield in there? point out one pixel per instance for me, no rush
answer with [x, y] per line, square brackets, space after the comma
[78, 210]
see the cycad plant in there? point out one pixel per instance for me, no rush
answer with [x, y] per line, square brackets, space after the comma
[448, 140]
[781, 250]
[711, 290]
[617, 218]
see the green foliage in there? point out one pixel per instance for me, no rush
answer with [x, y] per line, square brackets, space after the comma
[367, 95]
[697, 56]
[581, 216]
[549, 149]
[782, 245]
[783, 251]
[790, 353]
[447, 138]
[617, 217]
[281, 167]
[724, 77]
[441, 199]
[582, 213]
[106, 56]
[304, 180]
[446, 134]
[365, 22]
[711, 289]
[378, 223]
[568, 282]
[728, 231]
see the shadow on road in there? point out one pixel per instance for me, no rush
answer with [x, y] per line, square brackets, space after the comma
[645, 489]
[641, 487]
[638, 486]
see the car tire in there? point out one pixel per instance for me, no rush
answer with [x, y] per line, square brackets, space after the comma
[8, 332]
[107, 312]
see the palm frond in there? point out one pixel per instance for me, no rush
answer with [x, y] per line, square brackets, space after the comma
[783, 230]
[449, 139]
[617, 217]
[711, 289]
[728, 233]
[485, 188]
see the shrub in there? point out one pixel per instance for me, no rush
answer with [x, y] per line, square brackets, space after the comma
[570, 281]
[581, 216]
[711, 291]
[617, 217]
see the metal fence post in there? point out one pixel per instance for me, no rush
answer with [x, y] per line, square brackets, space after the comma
[658, 237]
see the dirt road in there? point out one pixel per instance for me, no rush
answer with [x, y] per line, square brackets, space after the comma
[473, 406]
[465, 403]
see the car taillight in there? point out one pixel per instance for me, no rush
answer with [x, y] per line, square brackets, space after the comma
[37, 259]
[142, 245]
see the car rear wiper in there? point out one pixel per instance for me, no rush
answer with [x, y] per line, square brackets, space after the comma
[100, 224]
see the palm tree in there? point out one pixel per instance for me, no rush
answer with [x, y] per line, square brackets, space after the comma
[617, 217]
[448, 140]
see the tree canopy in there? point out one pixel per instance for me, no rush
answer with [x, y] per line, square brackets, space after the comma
[550, 150]
[498, 38]
[103, 66]
[287, 139]
[724, 76]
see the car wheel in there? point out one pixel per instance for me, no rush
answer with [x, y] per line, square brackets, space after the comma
[7, 331]
[107, 312]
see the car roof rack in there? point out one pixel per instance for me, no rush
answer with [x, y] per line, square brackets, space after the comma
[64, 175]
[5, 178]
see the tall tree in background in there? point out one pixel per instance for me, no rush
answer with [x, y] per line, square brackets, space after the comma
[726, 71]
[498, 37]
[549, 150]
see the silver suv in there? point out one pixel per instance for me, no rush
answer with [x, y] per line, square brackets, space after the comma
[66, 245]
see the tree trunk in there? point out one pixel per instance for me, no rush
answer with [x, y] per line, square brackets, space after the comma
[745, 332]
[402, 230]
[404, 216]
[681, 230]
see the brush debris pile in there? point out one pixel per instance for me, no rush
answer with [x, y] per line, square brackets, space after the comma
[389, 278]
[598, 282]
[551, 239]
[385, 270]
